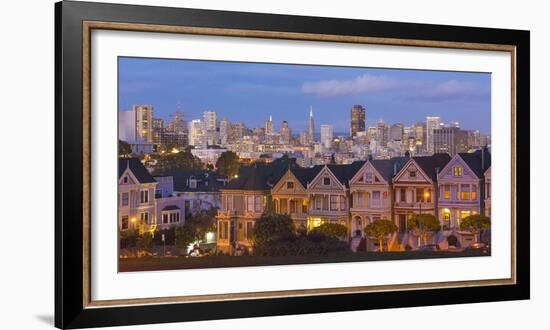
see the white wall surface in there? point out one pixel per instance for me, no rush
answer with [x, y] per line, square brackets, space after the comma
[27, 135]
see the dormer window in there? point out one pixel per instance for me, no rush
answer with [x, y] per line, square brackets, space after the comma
[326, 181]
[125, 179]
[290, 185]
[192, 183]
[412, 174]
[457, 170]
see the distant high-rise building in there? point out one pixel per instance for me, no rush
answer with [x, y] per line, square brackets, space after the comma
[158, 130]
[269, 126]
[357, 123]
[210, 127]
[450, 140]
[311, 127]
[396, 132]
[238, 131]
[258, 135]
[326, 136]
[196, 133]
[144, 122]
[127, 126]
[286, 133]
[454, 124]
[225, 130]
[383, 133]
[432, 123]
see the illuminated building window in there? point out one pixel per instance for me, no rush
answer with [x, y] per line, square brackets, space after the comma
[457, 170]
[447, 191]
[124, 222]
[465, 192]
[144, 218]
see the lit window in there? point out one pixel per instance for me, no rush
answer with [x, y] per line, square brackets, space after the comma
[447, 191]
[124, 222]
[457, 170]
[144, 218]
[464, 192]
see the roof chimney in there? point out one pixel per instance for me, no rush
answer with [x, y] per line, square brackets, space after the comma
[407, 154]
[394, 168]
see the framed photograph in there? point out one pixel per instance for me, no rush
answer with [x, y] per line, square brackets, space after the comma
[214, 164]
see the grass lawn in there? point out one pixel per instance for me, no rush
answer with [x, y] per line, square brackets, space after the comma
[155, 263]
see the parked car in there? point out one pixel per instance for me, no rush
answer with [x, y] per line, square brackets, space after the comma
[429, 247]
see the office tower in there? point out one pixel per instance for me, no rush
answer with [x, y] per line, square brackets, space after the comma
[144, 122]
[326, 136]
[311, 127]
[286, 133]
[127, 126]
[450, 140]
[383, 133]
[432, 123]
[357, 123]
[454, 124]
[396, 132]
[196, 133]
[158, 130]
[210, 127]
[225, 129]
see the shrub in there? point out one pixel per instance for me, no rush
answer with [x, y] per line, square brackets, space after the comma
[333, 230]
[271, 227]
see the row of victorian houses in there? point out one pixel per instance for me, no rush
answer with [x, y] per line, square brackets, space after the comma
[162, 202]
[353, 195]
[356, 194]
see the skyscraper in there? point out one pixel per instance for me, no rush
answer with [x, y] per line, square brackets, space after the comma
[196, 133]
[269, 126]
[450, 140]
[311, 128]
[144, 122]
[210, 126]
[326, 136]
[396, 132]
[225, 129]
[357, 123]
[432, 123]
[285, 133]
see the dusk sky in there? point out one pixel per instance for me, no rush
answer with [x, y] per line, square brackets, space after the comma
[250, 92]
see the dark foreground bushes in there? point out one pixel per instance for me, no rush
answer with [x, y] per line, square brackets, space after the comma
[302, 246]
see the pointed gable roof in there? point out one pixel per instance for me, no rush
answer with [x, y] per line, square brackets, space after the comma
[260, 176]
[431, 165]
[478, 161]
[305, 174]
[389, 167]
[137, 168]
[344, 173]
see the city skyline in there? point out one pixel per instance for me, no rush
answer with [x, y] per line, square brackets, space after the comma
[233, 89]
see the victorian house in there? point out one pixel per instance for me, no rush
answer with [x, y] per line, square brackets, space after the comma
[415, 188]
[243, 200]
[140, 204]
[329, 198]
[290, 195]
[462, 188]
[371, 192]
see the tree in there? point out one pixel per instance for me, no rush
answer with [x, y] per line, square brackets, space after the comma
[475, 223]
[124, 148]
[196, 227]
[182, 160]
[228, 164]
[333, 230]
[423, 225]
[380, 229]
[272, 227]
